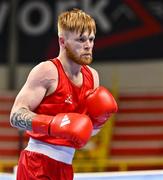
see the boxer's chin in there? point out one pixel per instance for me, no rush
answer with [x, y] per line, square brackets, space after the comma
[85, 60]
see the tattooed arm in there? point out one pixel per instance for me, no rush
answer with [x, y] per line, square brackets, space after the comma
[22, 119]
[39, 84]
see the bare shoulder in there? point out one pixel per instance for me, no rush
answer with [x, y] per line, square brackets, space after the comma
[43, 73]
[45, 67]
[95, 76]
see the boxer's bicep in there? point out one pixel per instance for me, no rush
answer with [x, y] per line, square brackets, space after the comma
[32, 92]
[30, 96]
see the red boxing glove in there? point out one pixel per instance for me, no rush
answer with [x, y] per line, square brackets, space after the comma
[75, 127]
[100, 105]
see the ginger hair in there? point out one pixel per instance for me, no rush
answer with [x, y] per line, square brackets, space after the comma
[77, 21]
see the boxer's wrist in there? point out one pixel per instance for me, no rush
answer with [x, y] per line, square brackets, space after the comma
[41, 124]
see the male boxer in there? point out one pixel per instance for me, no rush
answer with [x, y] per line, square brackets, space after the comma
[56, 104]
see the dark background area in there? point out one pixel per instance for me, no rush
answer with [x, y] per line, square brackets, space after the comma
[126, 30]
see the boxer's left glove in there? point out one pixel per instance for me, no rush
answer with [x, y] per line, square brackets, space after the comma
[75, 127]
[100, 105]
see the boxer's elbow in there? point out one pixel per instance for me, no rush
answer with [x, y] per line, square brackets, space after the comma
[11, 119]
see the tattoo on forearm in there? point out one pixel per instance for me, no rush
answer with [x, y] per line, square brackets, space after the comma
[22, 119]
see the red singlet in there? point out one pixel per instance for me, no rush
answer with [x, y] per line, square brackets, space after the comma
[66, 98]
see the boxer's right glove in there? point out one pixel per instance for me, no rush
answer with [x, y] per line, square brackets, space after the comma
[100, 105]
[75, 127]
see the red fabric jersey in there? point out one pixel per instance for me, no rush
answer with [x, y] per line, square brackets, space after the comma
[66, 98]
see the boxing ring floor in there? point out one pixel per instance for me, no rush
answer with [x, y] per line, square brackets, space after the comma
[131, 175]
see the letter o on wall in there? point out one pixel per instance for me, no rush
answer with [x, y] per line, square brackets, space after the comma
[45, 18]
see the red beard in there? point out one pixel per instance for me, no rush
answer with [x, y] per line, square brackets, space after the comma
[79, 60]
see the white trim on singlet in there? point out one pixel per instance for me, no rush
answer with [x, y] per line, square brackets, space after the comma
[60, 153]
